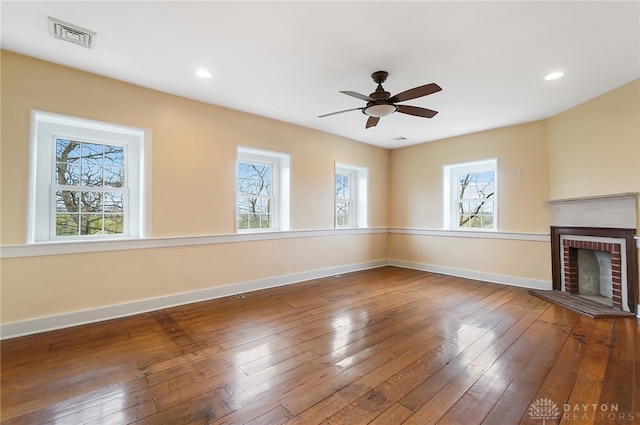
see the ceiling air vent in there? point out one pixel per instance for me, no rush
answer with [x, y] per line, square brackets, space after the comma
[72, 33]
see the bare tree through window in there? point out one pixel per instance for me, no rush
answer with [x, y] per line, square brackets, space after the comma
[255, 196]
[476, 195]
[89, 188]
[343, 200]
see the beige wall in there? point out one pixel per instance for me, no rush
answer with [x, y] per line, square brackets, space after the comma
[523, 170]
[193, 164]
[594, 148]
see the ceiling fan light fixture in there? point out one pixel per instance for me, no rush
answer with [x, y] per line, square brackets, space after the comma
[380, 110]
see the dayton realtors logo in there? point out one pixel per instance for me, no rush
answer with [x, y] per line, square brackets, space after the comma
[546, 410]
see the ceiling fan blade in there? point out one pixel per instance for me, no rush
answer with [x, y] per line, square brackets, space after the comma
[339, 112]
[415, 92]
[417, 111]
[358, 95]
[372, 122]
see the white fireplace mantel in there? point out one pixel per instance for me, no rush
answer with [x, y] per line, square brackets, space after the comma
[616, 211]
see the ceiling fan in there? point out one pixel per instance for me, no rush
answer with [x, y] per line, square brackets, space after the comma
[380, 103]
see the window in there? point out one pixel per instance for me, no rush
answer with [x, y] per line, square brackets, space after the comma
[262, 190]
[470, 191]
[86, 180]
[350, 196]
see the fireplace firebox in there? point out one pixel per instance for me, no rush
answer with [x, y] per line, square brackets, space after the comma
[619, 243]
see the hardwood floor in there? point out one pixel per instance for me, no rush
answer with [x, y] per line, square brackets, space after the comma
[385, 346]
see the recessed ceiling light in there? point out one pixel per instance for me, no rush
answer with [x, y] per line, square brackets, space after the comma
[203, 73]
[554, 75]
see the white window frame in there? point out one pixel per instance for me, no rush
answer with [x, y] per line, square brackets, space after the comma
[45, 129]
[359, 177]
[280, 173]
[450, 175]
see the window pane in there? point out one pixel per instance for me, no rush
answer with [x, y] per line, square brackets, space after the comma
[243, 186]
[91, 176]
[91, 202]
[67, 174]
[244, 205]
[67, 151]
[263, 206]
[113, 202]
[346, 187]
[254, 221]
[67, 201]
[67, 224]
[114, 224]
[343, 186]
[91, 154]
[487, 207]
[114, 156]
[113, 176]
[265, 221]
[91, 224]
[243, 221]
[487, 221]
[254, 179]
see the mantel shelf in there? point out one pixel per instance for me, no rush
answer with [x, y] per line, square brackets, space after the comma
[627, 195]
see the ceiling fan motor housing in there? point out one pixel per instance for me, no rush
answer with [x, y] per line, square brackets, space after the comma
[380, 106]
[380, 76]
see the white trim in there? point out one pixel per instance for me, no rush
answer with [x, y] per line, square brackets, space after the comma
[473, 274]
[77, 247]
[536, 237]
[49, 323]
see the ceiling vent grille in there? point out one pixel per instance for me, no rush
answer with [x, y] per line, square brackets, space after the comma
[71, 33]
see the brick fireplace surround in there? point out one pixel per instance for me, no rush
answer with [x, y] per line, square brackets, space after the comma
[566, 250]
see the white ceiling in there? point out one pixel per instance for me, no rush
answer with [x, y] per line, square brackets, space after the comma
[288, 60]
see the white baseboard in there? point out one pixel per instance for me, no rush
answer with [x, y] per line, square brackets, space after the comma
[44, 324]
[476, 275]
[60, 321]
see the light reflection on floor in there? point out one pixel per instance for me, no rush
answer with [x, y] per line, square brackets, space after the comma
[254, 353]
